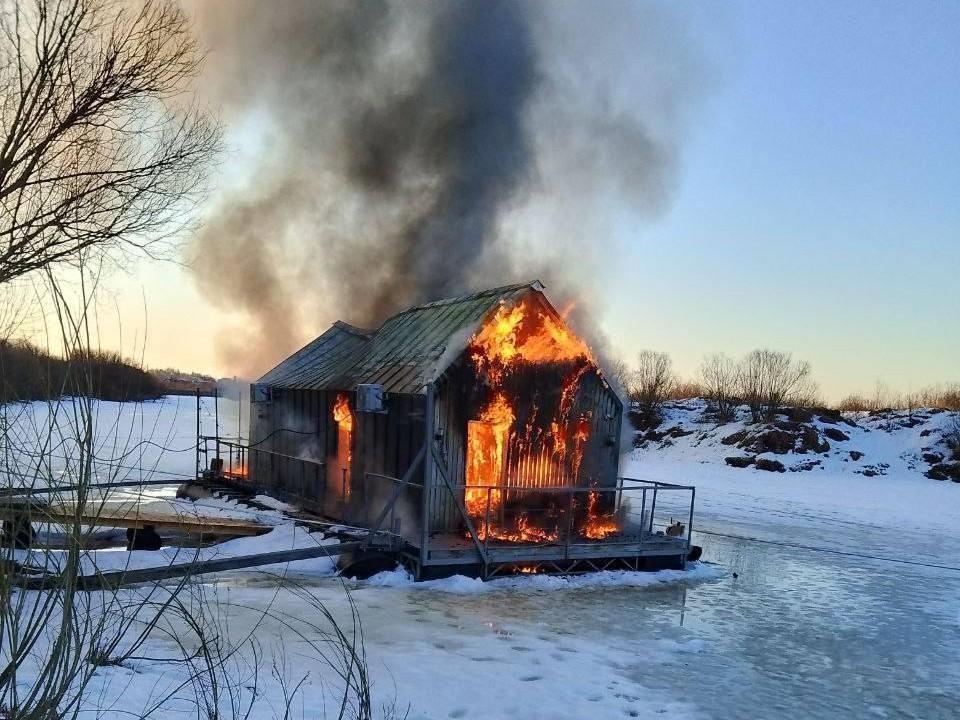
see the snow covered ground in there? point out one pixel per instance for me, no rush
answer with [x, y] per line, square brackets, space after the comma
[816, 504]
[768, 627]
[151, 440]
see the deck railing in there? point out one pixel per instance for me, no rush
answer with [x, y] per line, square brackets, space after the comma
[232, 453]
[633, 512]
[294, 478]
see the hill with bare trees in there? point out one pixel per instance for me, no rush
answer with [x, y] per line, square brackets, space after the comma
[921, 441]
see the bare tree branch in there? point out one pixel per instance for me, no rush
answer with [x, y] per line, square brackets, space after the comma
[768, 380]
[95, 151]
[653, 380]
[718, 373]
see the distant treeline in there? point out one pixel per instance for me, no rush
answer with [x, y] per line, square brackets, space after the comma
[30, 373]
[764, 380]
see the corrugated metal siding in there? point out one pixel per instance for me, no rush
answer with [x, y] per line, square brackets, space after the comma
[402, 355]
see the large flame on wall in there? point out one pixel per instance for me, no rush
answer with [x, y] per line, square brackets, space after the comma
[341, 413]
[343, 416]
[499, 343]
[542, 452]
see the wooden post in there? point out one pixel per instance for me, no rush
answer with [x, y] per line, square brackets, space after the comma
[198, 469]
[486, 523]
[428, 469]
[616, 449]
[445, 476]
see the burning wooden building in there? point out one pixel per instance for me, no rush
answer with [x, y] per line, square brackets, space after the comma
[479, 430]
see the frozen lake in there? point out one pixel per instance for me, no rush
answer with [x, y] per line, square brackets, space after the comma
[796, 633]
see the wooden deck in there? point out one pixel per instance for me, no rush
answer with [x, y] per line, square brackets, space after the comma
[129, 514]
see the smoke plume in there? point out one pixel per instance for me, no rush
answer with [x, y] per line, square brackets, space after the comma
[392, 153]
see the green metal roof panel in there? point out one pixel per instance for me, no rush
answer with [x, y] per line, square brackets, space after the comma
[402, 355]
[319, 358]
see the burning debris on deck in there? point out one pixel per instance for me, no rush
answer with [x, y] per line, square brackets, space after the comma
[479, 430]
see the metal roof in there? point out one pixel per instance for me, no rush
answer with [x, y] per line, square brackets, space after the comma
[408, 351]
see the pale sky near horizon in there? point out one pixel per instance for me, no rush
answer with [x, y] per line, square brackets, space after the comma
[817, 208]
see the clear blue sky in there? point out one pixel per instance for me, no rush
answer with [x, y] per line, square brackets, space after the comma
[817, 210]
[819, 204]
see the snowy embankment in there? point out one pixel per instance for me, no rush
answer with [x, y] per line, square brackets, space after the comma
[862, 469]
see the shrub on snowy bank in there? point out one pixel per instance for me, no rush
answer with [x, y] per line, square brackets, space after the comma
[943, 397]
[30, 373]
[763, 380]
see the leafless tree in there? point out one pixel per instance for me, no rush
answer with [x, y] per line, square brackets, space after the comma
[97, 147]
[651, 382]
[767, 380]
[946, 397]
[882, 397]
[718, 374]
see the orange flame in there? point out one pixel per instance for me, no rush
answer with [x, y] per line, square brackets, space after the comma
[486, 442]
[342, 414]
[524, 532]
[598, 526]
[524, 333]
[341, 470]
[546, 451]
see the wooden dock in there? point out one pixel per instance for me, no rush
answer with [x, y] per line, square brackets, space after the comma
[123, 578]
[130, 514]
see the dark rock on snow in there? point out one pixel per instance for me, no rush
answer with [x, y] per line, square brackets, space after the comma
[945, 471]
[770, 465]
[798, 414]
[835, 434]
[737, 437]
[739, 461]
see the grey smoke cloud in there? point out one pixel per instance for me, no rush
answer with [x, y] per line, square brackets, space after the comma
[414, 150]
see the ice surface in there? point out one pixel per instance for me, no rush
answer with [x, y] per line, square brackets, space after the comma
[761, 630]
[458, 584]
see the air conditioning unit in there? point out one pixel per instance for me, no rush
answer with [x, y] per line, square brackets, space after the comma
[371, 398]
[260, 393]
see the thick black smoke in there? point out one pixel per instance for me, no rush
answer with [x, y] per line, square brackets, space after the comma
[460, 127]
[407, 151]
